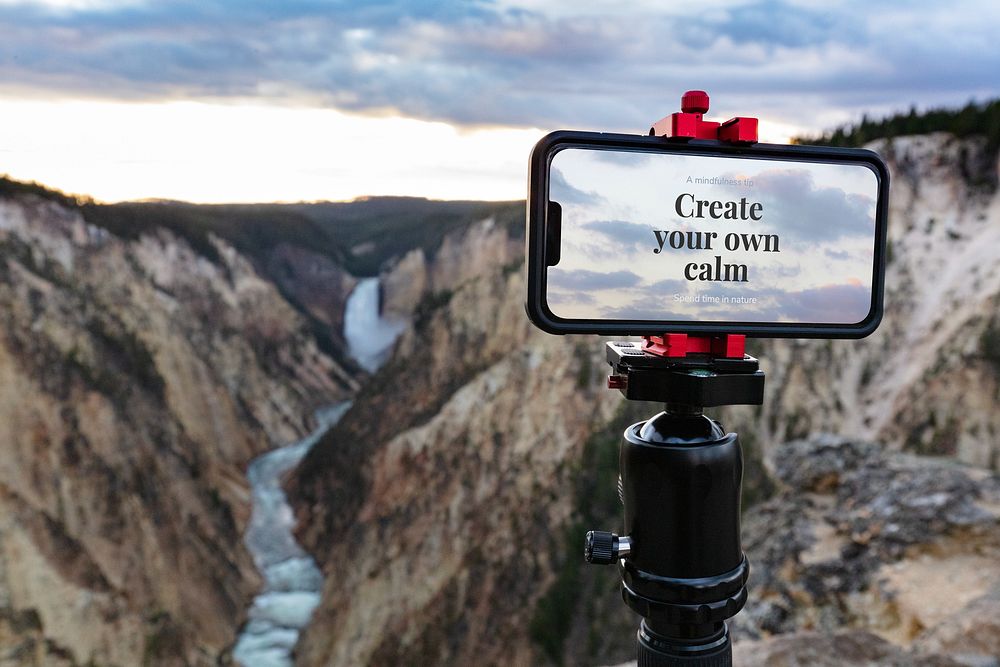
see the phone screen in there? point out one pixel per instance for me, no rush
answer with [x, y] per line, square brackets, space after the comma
[707, 238]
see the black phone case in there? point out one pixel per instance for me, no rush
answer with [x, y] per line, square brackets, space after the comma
[542, 239]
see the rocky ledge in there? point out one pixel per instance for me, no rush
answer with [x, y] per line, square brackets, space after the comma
[866, 557]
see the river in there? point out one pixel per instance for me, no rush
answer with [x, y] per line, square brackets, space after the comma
[292, 580]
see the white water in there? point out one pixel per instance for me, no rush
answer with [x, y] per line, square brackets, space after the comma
[292, 580]
[369, 336]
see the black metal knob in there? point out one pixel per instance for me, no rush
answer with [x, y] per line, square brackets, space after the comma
[604, 548]
[599, 547]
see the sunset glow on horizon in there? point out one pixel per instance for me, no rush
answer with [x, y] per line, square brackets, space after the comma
[228, 152]
[241, 153]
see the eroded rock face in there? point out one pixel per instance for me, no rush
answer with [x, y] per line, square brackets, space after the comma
[843, 649]
[315, 282]
[463, 256]
[405, 284]
[901, 546]
[136, 381]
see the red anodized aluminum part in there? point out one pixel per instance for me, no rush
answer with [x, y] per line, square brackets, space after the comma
[617, 381]
[688, 123]
[730, 346]
[739, 130]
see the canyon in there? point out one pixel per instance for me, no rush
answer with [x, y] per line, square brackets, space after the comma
[150, 352]
[154, 354]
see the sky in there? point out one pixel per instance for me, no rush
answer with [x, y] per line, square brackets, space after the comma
[797, 238]
[218, 100]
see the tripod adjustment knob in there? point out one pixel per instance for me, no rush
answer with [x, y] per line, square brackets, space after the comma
[603, 548]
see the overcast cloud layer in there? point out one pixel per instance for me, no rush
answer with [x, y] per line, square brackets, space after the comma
[616, 66]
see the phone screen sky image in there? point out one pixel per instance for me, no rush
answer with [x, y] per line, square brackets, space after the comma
[660, 236]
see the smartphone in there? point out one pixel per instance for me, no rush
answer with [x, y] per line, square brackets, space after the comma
[640, 235]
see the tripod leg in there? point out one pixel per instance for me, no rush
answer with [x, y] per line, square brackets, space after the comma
[656, 650]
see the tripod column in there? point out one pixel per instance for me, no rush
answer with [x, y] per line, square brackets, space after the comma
[685, 573]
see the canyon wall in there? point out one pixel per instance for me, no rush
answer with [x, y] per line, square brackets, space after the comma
[137, 378]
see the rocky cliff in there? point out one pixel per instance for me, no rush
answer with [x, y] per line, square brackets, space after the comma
[866, 558]
[407, 282]
[137, 378]
[447, 508]
[316, 284]
[899, 553]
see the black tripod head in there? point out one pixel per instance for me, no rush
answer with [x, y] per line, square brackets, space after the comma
[682, 566]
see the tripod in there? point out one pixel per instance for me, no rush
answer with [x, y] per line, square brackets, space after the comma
[682, 567]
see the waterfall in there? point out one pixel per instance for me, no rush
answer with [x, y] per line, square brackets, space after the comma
[369, 336]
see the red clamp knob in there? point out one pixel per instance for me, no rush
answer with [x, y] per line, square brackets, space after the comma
[694, 101]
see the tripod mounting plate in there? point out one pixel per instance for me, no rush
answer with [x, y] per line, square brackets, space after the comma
[700, 380]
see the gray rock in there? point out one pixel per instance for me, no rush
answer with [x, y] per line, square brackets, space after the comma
[907, 501]
[972, 635]
[844, 649]
[819, 463]
[864, 539]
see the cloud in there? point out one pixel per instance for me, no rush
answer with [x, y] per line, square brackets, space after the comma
[774, 25]
[630, 235]
[832, 303]
[584, 280]
[829, 304]
[643, 310]
[782, 271]
[574, 293]
[562, 192]
[551, 65]
[670, 287]
[797, 208]
[557, 298]
[631, 159]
